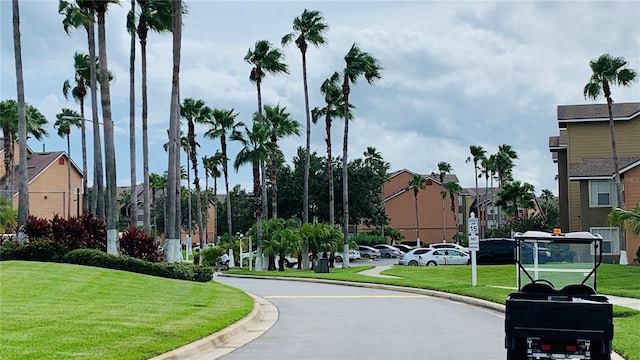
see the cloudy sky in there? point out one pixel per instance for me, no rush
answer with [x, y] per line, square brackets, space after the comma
[455, 74]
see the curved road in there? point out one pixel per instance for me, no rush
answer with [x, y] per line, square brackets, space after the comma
[323, 321]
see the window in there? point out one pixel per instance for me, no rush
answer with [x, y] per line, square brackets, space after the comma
[611, 239]
[602, 193]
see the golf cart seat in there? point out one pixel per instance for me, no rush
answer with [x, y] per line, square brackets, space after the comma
[538, 288]
[578, 289]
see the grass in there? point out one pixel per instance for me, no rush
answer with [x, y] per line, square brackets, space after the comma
[63, 311]
[493, 285]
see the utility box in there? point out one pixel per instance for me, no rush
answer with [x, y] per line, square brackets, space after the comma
[321, 265]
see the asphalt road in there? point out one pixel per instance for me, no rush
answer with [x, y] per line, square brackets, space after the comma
[323, 321]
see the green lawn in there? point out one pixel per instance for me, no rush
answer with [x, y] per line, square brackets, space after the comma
[492, 280]
[62, 311]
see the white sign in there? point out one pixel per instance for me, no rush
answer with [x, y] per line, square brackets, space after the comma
[474, 243]
[473, 225]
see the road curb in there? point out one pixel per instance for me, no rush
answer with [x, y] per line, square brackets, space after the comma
[261, 318]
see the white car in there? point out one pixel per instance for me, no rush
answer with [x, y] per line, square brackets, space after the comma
[444, 257]
[449, 246]
[413, 257]
[353, 255]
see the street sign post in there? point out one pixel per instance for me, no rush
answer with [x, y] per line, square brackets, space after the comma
[474, 245]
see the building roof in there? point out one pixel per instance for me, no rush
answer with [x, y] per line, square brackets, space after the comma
[597, 112]
[434, 177]
[600, 167]
[37, 163]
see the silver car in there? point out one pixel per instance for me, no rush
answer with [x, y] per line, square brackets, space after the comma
[413, 257]
[388, 251]
[367, 252]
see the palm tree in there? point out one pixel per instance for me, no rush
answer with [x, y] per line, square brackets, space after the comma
[280, 125]
[133, 215]
[83, 15]
[64, 121]
[609, 70]
[264, 60]
[444, 168]
[307, 28]
[154, 15]
[629, 217]
[504, 163]
[9, 123]
[417, 184]
[357, 64]
[332, 92]
[477, 155]
[256, 148]
[223, 122]
[196, 112]
[514, 195]
[211, 166]
[453, 189]
[174, 133]
[156, 182]
[23, 202]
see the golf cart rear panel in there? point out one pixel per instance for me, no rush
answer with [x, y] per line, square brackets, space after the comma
[567, 322]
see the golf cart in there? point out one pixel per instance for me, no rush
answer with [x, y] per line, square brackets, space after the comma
[557, 313]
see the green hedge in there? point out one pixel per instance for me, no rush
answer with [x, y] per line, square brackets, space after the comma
[98, 258]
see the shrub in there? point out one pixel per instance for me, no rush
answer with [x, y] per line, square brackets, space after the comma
[138, 244]
[182, 271]
[67, 232]
[94, 235]
[36, 228]
[368, 239]
[41, 250]
[8, 250]
[210, 256]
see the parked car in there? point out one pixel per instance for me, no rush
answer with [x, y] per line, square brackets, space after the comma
[353, 255]
[368, 252]
[413, 257]
[449, 246]
[388, 251]
[437, 257]
[498, 251]
[402, 247]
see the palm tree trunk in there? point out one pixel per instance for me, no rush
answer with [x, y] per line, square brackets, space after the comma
[444, 224]
[616, 166]
[109, 146]
[173, 240]
[23, 191]
[97, 205]
[417, 221]
[274, 190]
[332, 210]
[260, 191]
[8, 158]
[225, 170]
[307, 155]
[133, 213]
[196, 183]
[68, 176]
[345, 177]
[145, 136]
[85, 206]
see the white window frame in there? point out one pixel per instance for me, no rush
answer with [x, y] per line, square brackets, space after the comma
[609, 235]
[594, 191]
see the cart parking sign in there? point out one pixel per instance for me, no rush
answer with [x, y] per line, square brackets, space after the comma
[474, 243]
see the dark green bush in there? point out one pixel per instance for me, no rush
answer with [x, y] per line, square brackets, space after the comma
[182, 271]
[41, 250]
[8, 250]
[210, 256]
[368, 239]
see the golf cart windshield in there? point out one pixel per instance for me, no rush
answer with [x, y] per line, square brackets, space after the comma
[558, 259]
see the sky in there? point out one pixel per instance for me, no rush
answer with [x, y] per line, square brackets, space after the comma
[454, 74]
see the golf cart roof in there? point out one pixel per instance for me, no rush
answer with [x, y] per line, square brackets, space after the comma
[557, 237]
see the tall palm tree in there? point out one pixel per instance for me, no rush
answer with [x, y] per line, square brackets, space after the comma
[444, 168]
[23, 202]
[280, 124]
[133, 215]
[174, 134]
[417, 184]
[82, 14]
[357, 64]
[332, 92]
[223, 123]
[9, 123]
[256, 149]
[453, 189]
[504, 168]
[64, 121]
[309, 27]
[514, 195]
[477, 155]
[264, 59]
[630, 217]
[211, 166]
[111, 202]
[607, 70]
[195, 112]
[154, 15]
